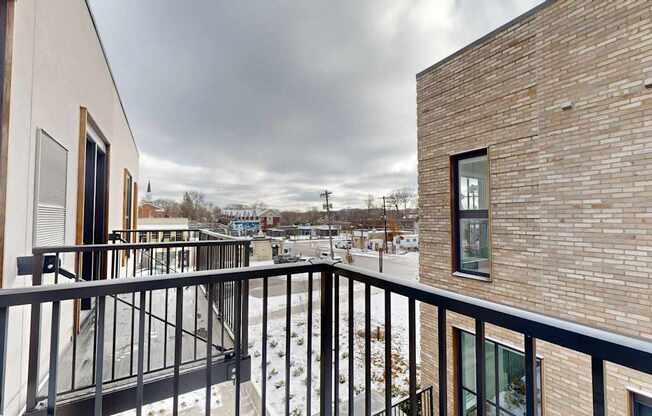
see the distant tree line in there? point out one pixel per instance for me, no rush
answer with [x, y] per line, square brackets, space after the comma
[400, 204]
[193, 206]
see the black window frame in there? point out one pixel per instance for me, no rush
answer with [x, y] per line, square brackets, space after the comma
[639, 398]
[460, 389]
[457, 214]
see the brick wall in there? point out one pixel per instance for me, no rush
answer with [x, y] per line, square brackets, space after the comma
[571, 190]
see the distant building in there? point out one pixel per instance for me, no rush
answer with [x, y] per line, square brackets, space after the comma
[269, 218]
[147, 208]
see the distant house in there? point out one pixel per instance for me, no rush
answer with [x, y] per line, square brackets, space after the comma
[269, 218]
[322, 230]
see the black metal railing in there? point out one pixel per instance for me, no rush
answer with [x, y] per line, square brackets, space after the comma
[132, 261]
[402, 407]
[335, 325]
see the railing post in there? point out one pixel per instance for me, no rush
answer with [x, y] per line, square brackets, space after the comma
[326, 353]
[530, 375]
[4, 324]
[245, 304]
[598, 381]
[34, 338]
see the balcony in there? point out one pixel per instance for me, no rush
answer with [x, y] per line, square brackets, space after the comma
[196, 291]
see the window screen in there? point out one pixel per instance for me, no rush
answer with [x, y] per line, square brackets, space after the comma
[50, 191]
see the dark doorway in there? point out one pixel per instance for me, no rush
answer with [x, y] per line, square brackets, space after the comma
[95, 200]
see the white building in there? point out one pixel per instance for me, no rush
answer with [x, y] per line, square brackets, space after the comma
[68, 159]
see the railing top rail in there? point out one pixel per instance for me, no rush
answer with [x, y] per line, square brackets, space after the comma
[79, 290]
[220, 235]
[619, 349]
[129, 246]
[154, 230]
[635, 353]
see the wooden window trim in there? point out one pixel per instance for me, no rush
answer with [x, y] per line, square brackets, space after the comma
[85, 120]
[6, 57]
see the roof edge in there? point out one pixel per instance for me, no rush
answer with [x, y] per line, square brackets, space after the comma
[486, 37]
[108, 65]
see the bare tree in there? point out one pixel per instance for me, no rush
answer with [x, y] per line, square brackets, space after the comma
[371, 204]
[402, 197]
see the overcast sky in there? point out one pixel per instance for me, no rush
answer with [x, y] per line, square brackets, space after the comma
[275, 100]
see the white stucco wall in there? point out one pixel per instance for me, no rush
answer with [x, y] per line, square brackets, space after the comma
[58, 66]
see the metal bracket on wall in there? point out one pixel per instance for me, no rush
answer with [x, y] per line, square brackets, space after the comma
[25, 265]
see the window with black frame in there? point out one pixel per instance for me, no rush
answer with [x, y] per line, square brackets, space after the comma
[472, 247]
[641, 405]
[504, 379]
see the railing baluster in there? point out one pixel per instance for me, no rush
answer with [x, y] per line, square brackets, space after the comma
[442, 361]
[288, 330]
[141, 354]
[326, 341]
[336, 340]
[99, 361]
[149, 318]
[351, 364]
[481, 404]
[34, 338]
[367, 349]
[598, 380]
[195, 322]
[165, 321]
[530, 375]
[238, 348]
[388, 351]
[245, 318]
[178, 341]
[133, 317]
[54, 358]
[4, 325]
[412, 355]
[209, 349]
[263, 381]
[309, 348]
[113, 338]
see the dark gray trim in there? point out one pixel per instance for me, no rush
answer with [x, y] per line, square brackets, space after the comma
[486, 37]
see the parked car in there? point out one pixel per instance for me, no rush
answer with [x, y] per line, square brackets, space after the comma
[344, 244]
[286, 258]
[325, 255]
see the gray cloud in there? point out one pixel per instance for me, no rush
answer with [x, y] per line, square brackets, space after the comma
[274, 100]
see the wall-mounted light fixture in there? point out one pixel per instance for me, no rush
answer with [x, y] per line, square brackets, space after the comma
[566, 105]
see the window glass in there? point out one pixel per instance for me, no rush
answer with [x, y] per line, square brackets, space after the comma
[473, 184]
[642, 406]
[468, 361]
[475, 249]
[509, 382]
[471, 213]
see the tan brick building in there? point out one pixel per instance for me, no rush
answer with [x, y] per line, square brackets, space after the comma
[552, 212]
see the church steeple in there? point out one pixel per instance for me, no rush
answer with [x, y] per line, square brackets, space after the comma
[148, 195]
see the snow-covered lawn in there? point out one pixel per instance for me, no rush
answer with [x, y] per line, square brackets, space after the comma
[276, 359]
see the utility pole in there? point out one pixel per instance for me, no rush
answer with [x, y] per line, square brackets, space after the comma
[325, 195]
[385, 218]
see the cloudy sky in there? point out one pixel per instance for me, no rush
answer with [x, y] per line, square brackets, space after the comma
[275, 100]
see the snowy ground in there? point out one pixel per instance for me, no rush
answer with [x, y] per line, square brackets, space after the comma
[299, 360]
[404, 266]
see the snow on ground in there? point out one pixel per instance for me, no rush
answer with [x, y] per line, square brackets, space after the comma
[276, 359]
